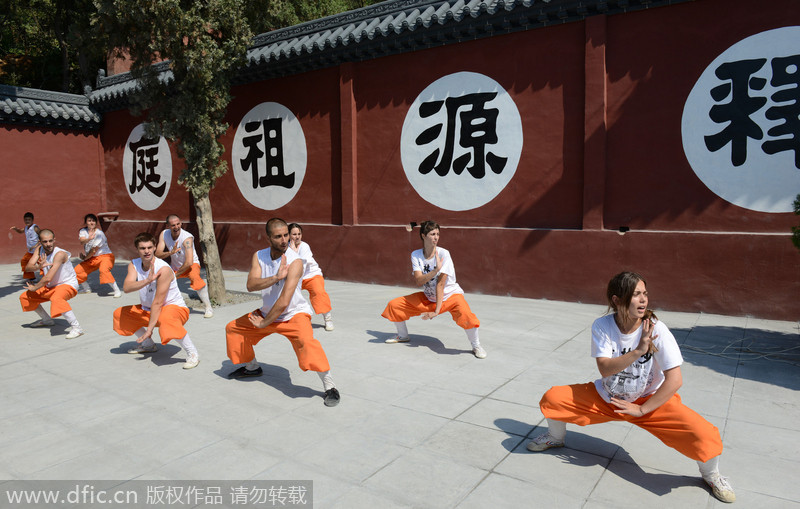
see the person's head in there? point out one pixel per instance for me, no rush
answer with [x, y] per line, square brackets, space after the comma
[174, 224]
[295, 233]
[146, 245]
[90, 220]
[429, 230]
[28, 218]
[627, 295]
[48, 240]
[278, 234]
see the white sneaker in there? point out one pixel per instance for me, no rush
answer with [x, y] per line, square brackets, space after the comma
[191, 362]
[544, 442]
[142, 349]
[117, 294]
[397, 339]
[328, 325]
[209, 314]
[43, 323]
[479, 352]
[74, 333]
[85, 289]
[721, 488]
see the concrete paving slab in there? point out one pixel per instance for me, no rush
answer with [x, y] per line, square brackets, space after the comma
[423, 425]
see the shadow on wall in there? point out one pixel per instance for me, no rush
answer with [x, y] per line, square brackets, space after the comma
[768, 357]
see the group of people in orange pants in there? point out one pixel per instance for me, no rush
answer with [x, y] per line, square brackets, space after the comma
[637, 356]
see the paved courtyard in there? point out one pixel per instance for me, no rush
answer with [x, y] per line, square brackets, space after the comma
[423, 425]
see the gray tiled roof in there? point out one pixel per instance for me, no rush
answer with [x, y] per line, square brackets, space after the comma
[30, 106]
[390, 27]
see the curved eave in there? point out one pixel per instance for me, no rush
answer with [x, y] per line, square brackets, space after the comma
[387, 28]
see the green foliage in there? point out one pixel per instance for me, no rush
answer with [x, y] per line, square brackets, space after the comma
[796, 229]
[203, 42]
[48, 44]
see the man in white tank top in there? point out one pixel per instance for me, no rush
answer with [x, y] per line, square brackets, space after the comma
[177, 244]
[162, 304]
[58, 285]
[31, 232]
[277, 272]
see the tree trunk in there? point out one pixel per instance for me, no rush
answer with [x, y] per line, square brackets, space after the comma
[208, 241]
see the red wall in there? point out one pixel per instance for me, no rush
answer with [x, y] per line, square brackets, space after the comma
[601, 104]
[57, 175]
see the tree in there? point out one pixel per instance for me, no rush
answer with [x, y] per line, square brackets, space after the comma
[48, 44]
[202, 43]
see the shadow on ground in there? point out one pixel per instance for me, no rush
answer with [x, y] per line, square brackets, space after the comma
[763, 356]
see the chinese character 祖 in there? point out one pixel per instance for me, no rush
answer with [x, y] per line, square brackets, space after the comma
[143, 172]
[272, 135]
[478, 128]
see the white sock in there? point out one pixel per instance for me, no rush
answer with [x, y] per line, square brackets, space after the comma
[252, 365]
[327, 316]
[327, 381]
[402, 330]
[709, 468]
[203, 294]
[43, 314]
[472, 335]
[147, 343]
[186, 344]
[114, 287]
[70, 316]
[557, 429]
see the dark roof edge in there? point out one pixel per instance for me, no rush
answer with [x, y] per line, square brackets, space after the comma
[387, 28]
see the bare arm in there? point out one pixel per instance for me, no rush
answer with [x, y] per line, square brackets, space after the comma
[188, 250]
[439, 298]
[673, 379]
[59, 259]
[164, 277]
[161, 248]
[36, 261]
[254, 280]
[17, 229]
[420, 278]
[131, 285]
[612, 365]
[295, 272]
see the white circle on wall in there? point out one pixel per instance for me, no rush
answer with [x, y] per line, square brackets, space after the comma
[461, 141]
[146, 169]
[269, 156]
[734, 126]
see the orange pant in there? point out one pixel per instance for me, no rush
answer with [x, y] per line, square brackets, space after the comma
[24, 263]
[320, 300]
[193, 274]
[242, 335]
[675, 424]
[129, 319]
[57, 296]
[403, 308]
[104, 263]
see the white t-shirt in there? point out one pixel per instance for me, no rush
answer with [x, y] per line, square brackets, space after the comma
[176, 261]
[419, 263]
[65, 275]
[148, 293]
[269, 296]
[99, 240]
[31, 237]
[310, 264]
[645, 375]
